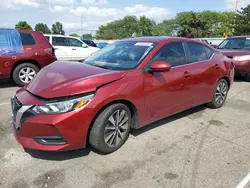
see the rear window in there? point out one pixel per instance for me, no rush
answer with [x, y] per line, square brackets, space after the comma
[27, 39]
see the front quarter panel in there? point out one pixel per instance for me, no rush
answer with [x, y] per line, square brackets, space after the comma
[129, 88]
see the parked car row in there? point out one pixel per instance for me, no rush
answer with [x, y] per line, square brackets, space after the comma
[125, 86]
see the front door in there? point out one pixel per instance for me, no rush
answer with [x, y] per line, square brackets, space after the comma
[168, 92]
[78, 51]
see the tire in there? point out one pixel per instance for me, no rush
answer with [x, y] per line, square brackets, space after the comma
[100, 137]
[247, 77]
[19, 71]
[220, 95]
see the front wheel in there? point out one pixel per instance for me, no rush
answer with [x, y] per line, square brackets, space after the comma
[220, 94]
[111, 128]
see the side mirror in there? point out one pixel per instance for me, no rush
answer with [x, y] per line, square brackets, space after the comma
[160, 66]
[84, 46]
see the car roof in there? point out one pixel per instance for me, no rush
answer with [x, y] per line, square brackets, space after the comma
[66, 36]
[160, 39]
[28, 31]
[243, 36]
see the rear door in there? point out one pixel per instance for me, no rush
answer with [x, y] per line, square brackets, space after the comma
[203, 69]
[62, 48]
[168, 92]
[78, 51]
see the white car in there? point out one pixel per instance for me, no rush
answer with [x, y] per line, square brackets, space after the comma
[69, 48]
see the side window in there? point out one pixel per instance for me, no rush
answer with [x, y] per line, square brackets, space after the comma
[75, 42]
[60, 41]
[209, 52]
[47, 37]
[172, 53]
[196, 52]
[27, 39]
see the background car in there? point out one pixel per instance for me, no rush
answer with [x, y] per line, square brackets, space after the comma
[37, 53]
[237, 48]
[102, 44]
[127, 85]
[89, 42]
[69, 48]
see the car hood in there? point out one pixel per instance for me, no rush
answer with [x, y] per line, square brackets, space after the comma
[231, 52]
[62, 79]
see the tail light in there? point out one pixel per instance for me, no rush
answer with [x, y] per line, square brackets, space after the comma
[50, 51]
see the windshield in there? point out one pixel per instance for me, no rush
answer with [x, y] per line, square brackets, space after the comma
[235, 43]
[122, 55]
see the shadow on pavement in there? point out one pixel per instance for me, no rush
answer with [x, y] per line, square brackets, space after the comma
[168, 120]
[58, 156]
[5, 83]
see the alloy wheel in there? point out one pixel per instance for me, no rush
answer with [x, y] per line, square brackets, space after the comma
[27, 74]
[221, 93]
[116, 128]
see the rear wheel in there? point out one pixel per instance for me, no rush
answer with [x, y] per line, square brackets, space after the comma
[24, 73]
[247, 77]
[111, 128]
[220, 94]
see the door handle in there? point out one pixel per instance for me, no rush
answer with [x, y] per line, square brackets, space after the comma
[73, 49]
[186, 74]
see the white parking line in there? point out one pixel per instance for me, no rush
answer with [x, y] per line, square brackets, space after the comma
[244, 182]
[7, 103]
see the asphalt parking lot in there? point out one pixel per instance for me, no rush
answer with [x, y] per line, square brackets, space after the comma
[199, 148]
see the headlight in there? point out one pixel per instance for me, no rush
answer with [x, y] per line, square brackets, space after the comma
[63, 106]
[242, 58]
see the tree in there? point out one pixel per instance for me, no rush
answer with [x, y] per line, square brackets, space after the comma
[119, 29]
[87, 36]
[42, 28]
[74, 35]
[191, 25]
[166, 28]
[242, 23]
[57, 28]
[23, 25]
[146, 26]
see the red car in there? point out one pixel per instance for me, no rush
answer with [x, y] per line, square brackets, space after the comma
[124, 86]
[38, 53]
[238, 49]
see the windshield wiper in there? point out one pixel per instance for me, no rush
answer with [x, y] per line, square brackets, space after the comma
[103, 67]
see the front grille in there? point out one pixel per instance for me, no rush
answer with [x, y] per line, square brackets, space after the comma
[16, 105]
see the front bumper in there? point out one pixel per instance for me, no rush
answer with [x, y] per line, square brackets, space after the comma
[58, 132]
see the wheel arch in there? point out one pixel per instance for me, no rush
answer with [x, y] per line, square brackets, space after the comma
[24, 61]
[129, 104]
[227, 79]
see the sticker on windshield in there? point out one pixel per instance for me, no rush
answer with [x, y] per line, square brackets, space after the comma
[247, 38]
[143, 44]
[99, 63]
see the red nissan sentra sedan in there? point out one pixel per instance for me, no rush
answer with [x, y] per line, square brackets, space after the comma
[126, 85]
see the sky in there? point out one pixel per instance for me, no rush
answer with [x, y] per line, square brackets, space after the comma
[98, 12]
